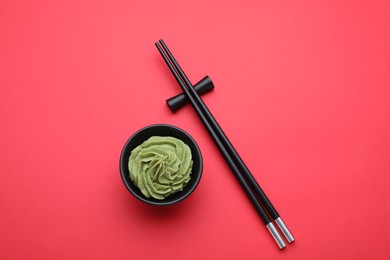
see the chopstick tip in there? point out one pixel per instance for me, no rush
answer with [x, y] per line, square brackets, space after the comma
[286, 232]
[157, 42]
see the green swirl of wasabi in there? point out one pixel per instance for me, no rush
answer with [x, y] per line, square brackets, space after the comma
[160, 166]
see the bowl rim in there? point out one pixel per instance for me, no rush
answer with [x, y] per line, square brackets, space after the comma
[125, 172]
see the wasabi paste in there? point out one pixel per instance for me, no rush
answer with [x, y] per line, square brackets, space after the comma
[160, 166]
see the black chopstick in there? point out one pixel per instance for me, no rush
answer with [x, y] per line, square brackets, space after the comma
[231, 150]
[210, 126]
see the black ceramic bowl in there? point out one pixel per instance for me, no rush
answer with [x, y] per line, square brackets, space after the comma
[161, 130]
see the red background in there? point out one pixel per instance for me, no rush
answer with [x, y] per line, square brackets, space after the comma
[301, 89]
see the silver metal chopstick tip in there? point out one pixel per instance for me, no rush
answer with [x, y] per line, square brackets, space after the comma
[275, 234]
[284, 230]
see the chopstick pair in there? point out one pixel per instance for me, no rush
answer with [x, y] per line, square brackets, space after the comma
[256, 195]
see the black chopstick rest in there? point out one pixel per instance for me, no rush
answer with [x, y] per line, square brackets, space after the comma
[205, 85]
